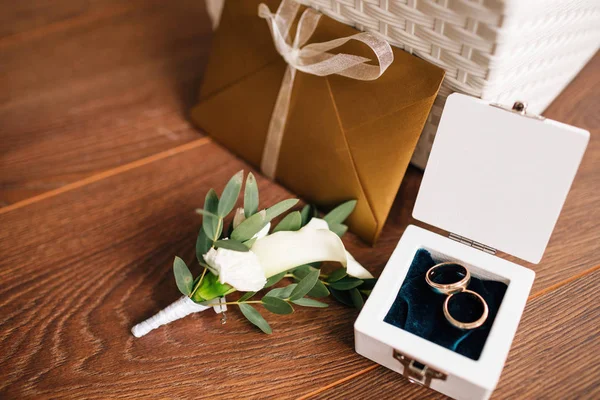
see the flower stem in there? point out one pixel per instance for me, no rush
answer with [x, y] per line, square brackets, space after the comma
[199, 282]
[242, 302]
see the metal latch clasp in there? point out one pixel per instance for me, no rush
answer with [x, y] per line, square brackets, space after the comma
[519, 107]
[417, 372]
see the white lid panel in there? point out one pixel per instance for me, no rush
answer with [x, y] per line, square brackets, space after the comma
[497, 177]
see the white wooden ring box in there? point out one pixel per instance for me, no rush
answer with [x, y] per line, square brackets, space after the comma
[496, 179]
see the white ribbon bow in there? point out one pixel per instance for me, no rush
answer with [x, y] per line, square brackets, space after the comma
[311, 59]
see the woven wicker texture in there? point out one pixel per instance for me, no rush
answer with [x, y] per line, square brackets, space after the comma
[501, 51]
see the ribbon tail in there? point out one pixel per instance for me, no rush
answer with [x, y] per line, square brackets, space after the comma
[274, 137]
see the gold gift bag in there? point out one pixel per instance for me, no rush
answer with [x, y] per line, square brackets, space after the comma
[343, 138]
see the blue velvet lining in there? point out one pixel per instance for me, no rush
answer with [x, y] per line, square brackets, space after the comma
[418, 310]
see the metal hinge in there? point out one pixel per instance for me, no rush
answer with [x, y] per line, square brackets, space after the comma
[519, 107]
[417, 372]
[472, 243]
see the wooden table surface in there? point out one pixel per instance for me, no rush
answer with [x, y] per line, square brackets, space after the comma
[100, 176]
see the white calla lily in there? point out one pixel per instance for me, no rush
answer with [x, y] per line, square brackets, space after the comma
[285, 250]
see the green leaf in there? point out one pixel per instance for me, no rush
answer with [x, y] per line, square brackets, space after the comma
[230, 194]
[346, 283]
[368, 284]
[303, 270]
[280, 208]
[183, 276]
[320, 290]
[246, 296]
[305, 285]
[337, 275]
[342, 296]
[357, 298]
[274, 279]
[340, 213]
[250, 196]
[308, 212]
[249, 243]
[254, 317]
[212, 225]
[231, 244]
[306, 302]
[282, 293]
[291, 222]
[250, 227]
[338, 229]
[203, 244]
[205, 213]
[276, 305]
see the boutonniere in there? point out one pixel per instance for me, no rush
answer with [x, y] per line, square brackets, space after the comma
[250, 257]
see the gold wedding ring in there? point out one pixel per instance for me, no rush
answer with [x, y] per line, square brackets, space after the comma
[447, 268]
[452, 279]
[466, 325]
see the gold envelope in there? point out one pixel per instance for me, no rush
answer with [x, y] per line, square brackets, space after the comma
[344, 139]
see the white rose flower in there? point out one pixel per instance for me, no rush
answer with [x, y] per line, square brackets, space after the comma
[242, 270]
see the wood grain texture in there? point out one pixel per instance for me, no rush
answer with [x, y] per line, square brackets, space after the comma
[554, 355]
[94, 85]
[91, 85]
[98, 259]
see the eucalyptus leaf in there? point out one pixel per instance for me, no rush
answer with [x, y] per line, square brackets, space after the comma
[342, 296]
[340, 213]
[212, 225]
[277, 305]
[291, 222]
[231, 244]
[280, 208]
[357, 298]
[306, 302]
[203, 244]
[337, 275]
[246, 296]
[305, 285]
[274, 279]
[346, 283]
[338, 229]
[250, 196]
[368, 284]
[230, 194]
[227, 232]
[320, 290]
[308, 212]
[183, 276]
[255, 318]
[301, 271]
[282, 293]
[250, 227]
[205, 213]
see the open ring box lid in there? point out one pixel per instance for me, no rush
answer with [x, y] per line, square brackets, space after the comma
[496, 179]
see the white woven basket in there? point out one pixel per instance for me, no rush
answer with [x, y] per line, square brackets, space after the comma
[501, 51]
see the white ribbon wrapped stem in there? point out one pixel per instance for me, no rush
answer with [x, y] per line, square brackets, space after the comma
[312, 59]
[177, 310]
